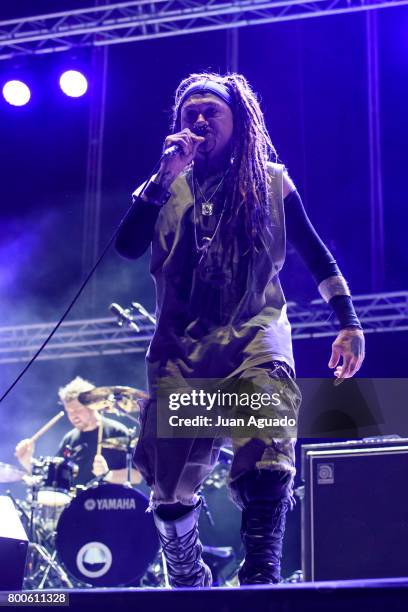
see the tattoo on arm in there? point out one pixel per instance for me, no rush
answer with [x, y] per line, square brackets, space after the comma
[164, 178]
[156, 190]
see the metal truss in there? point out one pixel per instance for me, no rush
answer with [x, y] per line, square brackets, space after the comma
[120, 22]
[379, 313]
[83, 338]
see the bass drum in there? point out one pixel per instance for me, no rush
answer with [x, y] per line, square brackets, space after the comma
[105, 537]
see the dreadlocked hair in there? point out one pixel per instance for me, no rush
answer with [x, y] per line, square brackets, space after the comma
[252, 148]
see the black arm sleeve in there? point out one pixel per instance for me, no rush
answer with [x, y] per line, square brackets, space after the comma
[136, 231]
[321, 263]
[304, 238]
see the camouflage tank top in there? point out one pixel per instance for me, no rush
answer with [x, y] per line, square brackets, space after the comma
[216, 316]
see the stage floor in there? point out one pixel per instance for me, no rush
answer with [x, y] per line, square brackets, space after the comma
[334, 596]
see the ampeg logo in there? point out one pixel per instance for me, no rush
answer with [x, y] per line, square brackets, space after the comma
[325, 473]
[94, 559]
[120, 503]
[90, 504]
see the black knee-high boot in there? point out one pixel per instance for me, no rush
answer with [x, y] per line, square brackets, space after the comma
[265, 496]
[182, 549]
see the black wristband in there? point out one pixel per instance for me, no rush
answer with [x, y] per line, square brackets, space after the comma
[344, 310]
[156, 194]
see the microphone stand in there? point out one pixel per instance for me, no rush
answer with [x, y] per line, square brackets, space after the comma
[129, 457]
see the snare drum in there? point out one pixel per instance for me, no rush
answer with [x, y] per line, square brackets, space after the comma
[105, 538]
[52, 489]
[57, 479]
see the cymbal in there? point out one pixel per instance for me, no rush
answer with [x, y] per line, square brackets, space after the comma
[10, 473]
[107, 399]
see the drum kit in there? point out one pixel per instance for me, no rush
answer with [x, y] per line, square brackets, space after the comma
[98, 535]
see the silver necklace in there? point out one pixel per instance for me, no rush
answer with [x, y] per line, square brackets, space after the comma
[206, 241]
[207, 205]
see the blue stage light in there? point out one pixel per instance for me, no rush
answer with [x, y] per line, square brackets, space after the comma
[16, 93]
[73, 83]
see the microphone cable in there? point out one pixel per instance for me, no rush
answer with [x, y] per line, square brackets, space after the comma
[81, 288]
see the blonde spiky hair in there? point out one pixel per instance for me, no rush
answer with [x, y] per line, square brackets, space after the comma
[74, 388]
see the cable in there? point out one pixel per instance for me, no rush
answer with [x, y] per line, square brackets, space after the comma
[81, 288]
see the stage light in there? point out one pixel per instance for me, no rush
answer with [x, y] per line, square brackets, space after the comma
[73, 83]
[16, 93]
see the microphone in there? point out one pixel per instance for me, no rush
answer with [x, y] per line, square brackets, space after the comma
[124, 317]
[199, 130]
[144, 312]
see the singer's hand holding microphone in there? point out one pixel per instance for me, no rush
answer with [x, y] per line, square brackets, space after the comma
[179, 151]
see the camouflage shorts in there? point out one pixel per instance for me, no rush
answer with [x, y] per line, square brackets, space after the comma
[176, 468]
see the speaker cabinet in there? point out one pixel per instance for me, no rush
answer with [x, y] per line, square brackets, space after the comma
[355, 510]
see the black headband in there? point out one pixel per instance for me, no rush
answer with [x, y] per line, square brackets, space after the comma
[207, 86]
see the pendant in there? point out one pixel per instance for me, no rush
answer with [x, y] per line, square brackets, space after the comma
[205, 244]
[207, 208]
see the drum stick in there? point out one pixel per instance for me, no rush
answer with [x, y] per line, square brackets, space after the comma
[100, 432]
[47, 426]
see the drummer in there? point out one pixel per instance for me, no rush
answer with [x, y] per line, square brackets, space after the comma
[80, 443]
